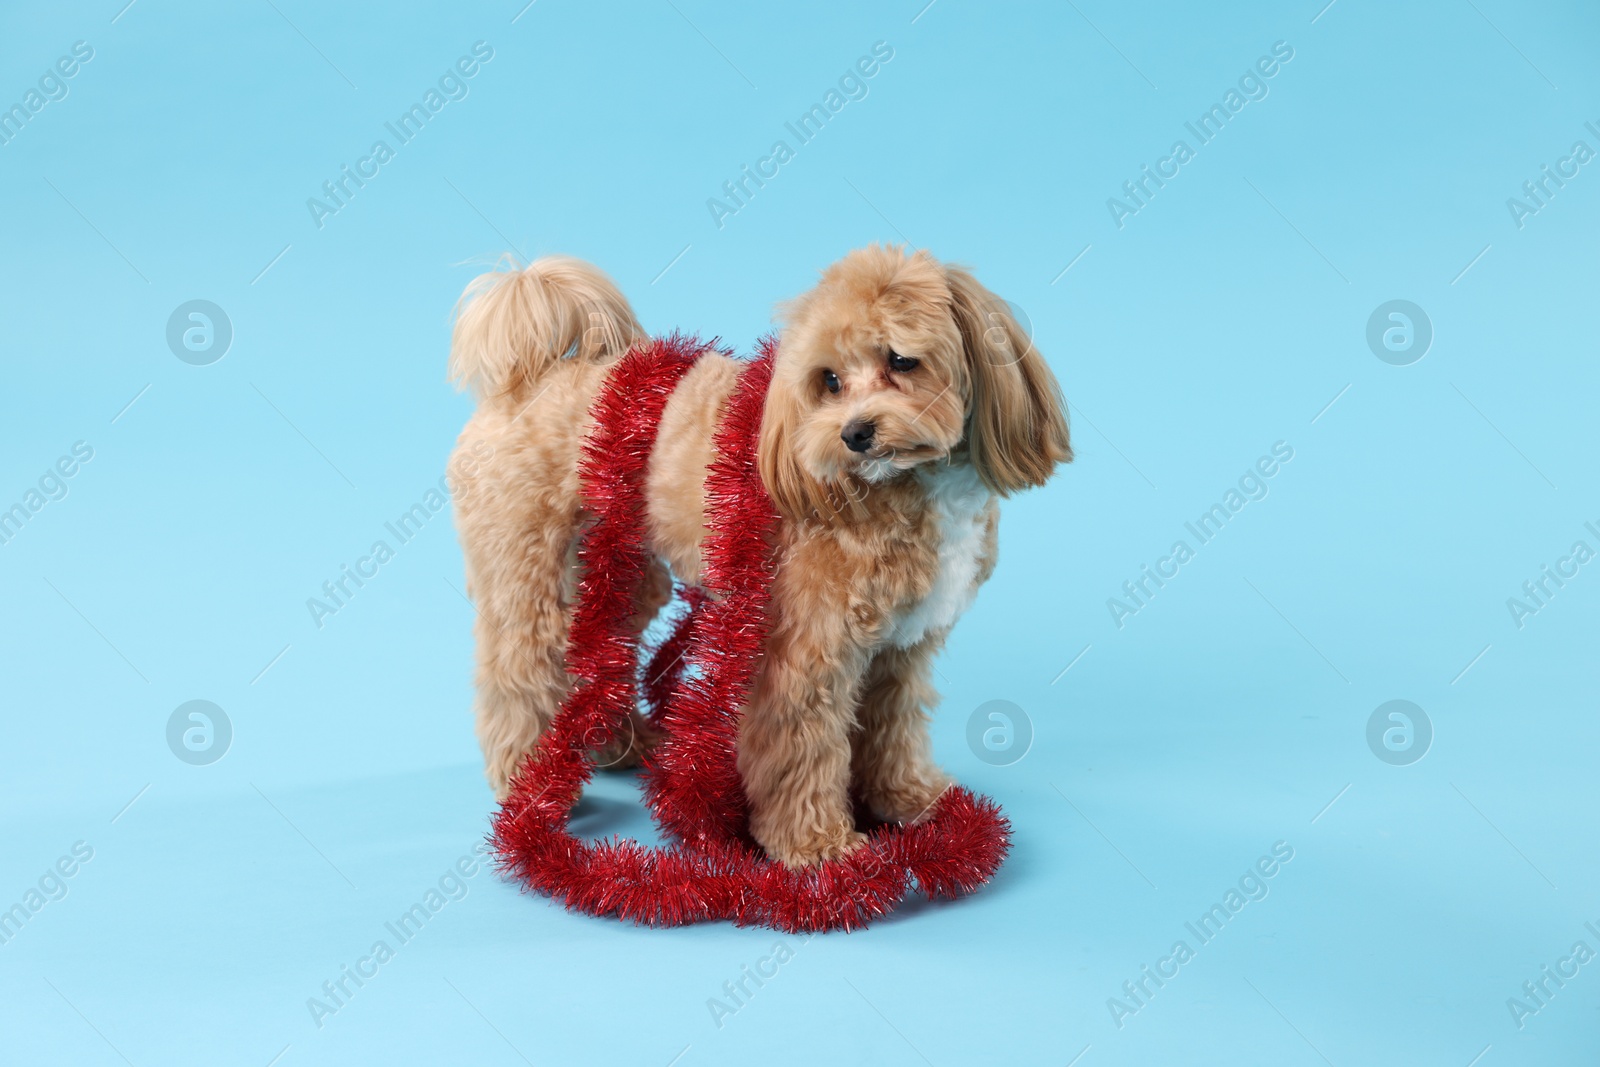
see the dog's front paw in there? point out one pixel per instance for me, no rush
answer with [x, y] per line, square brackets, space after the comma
[810, 849]
[908, 801]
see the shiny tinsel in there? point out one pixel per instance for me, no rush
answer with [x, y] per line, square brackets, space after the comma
[695, 683]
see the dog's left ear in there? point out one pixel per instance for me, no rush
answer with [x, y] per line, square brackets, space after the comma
[1017, 423]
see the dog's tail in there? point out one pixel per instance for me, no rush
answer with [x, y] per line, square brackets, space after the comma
[513, 325]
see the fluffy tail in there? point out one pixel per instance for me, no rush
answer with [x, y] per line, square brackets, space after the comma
[513, 325]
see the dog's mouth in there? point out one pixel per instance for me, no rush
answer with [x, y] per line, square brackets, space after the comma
[874, 469]
[882, 462]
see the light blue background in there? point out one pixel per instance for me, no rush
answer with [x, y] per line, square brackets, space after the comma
[1222, 718]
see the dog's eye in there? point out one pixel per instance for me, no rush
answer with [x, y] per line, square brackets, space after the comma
[901, 363]
[831, 380]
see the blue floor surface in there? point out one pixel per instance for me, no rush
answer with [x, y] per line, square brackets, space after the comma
[1343, 352]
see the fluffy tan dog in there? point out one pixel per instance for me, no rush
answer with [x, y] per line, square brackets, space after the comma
[905, 401]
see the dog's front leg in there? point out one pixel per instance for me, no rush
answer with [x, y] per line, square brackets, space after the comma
[892, 755]
[794, 742]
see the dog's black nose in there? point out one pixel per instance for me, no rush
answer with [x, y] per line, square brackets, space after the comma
[857, 435]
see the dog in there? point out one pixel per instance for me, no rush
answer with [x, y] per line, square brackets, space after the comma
[905, 401]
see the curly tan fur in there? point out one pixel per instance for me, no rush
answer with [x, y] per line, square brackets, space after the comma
[880, 547]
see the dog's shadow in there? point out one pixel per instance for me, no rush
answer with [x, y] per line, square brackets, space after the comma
[599, 815]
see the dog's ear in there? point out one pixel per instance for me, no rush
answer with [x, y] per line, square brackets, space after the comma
[1017, 423]
[795, 494]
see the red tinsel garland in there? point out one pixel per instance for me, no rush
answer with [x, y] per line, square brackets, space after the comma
[696, 683]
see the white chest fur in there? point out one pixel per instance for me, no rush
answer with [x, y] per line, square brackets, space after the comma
[960, 502]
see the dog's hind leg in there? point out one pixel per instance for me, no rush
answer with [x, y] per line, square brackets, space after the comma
[523, 617]
[534, 345]
[521, 629]
[639, 735]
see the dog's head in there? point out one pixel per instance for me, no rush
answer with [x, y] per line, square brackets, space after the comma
[894, 361]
